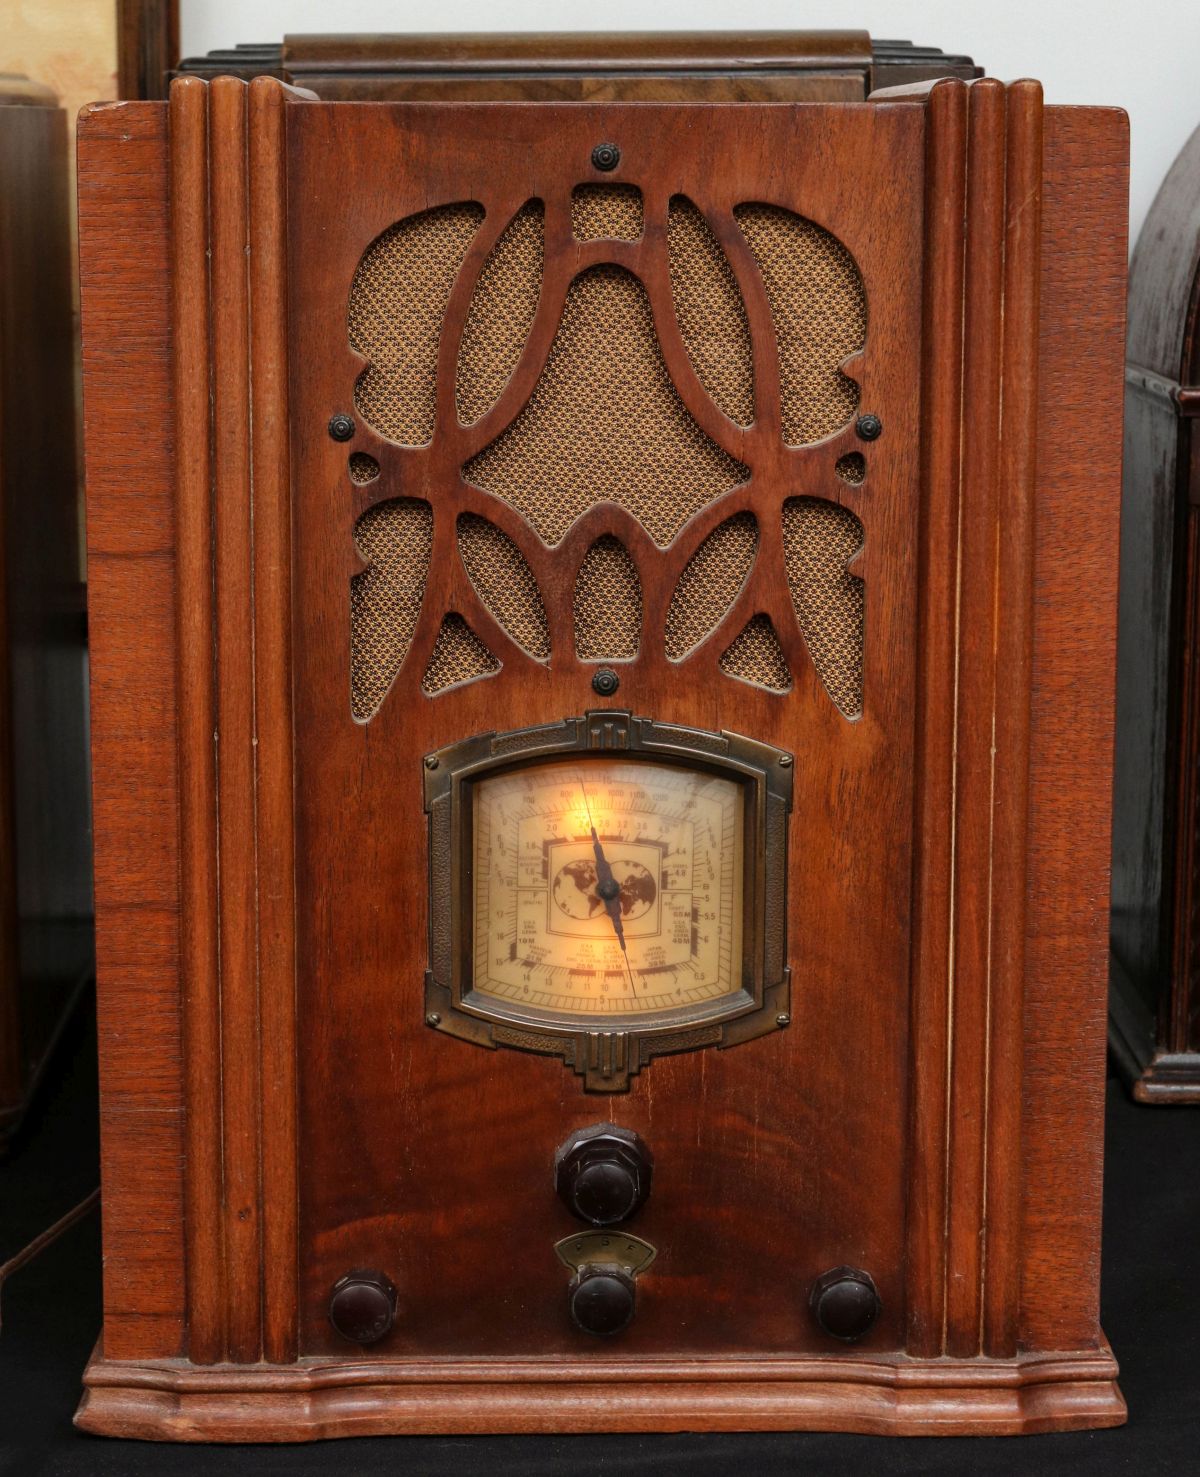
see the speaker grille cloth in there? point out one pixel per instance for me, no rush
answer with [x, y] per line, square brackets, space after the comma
[710, 312]
[605, 422]
[396, 538]
[397, 302]
[608, 603]
[502, 309]
[819, 310]
[458, 656]
[819, 539]
[504, 582]
[711, 581]
[363, 468]
[606, 211]
[852, 468]
[756, 656]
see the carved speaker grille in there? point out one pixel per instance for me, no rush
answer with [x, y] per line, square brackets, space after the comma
[612, 211]
[711, 581]
[819, 540]
[397, 303]
[710, 312]
[501, 312]
[819, 308]
[608, 604]
[458, 656]
[395, 538]
[756, 656]
[605, 423]
[504, 582]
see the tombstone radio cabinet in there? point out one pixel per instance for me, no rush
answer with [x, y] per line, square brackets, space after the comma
[603, 639]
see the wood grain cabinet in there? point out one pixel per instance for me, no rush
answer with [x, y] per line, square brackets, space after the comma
[45, 873]
[1155, 1001]
[604, 621]
[581, 66]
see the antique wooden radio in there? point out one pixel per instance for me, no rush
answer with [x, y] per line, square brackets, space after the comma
[603, 638]
[1154, 1016]
[45, 863]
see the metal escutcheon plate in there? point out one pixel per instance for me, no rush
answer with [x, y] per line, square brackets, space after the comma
[605, 1246]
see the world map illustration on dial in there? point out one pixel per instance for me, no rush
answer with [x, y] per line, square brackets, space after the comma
[575, 892]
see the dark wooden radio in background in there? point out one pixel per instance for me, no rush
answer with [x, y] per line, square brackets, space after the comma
[45, 862]
[647, 881]
[1155, 1005]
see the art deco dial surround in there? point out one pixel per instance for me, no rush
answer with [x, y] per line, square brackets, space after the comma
[606, 889]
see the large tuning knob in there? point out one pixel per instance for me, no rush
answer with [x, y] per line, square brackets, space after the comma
[603, 1173]
[601, 1298]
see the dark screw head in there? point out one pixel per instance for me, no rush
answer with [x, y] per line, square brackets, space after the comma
[341, 427]
[606, 157]
[605, 682]
[601, 1299]
[362, 1306]
[844, 1302]
[431, 761]
[869, 427]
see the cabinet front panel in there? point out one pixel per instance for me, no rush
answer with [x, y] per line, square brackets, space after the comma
[631, 391]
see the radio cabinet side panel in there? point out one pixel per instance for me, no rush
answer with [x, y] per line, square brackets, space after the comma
[129, 461]
[1075, 605]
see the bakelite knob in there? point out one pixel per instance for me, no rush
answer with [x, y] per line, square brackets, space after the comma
[603, 1173]
[601, 1299]
[362, 1306]
[845, 1303]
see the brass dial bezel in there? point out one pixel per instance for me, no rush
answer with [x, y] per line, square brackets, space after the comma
[608, 1051]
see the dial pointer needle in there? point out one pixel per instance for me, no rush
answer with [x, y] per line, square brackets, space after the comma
[607, 886]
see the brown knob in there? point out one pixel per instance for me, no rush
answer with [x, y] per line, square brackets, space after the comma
[601, 1298]
[845, 1303]
[362, 1306]
[602, 1173]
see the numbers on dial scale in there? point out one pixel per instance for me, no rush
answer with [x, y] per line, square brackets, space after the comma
[608, 887]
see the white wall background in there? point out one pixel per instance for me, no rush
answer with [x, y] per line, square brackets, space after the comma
[1141, 57]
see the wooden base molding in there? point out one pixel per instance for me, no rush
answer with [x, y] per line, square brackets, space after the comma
[172, 1400]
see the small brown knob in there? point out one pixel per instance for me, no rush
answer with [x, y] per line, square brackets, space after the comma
[601, 1298]
[603, 1173]
[845, 1303]
[362, 1306]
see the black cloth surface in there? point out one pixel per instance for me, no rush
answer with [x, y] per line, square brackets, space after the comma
[1151, 1312]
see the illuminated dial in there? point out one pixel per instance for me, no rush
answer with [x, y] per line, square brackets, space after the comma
[607, 887]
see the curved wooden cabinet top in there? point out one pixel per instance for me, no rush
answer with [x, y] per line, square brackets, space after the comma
[1162, 277]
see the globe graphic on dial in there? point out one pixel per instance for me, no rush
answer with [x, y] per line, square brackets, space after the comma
[575, 895]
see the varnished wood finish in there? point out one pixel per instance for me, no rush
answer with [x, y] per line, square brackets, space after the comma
[1154, 1022]
[581, 66]
[922, 1115]
[45, 943]
[136, 555]
[354, 951]
[236, 824]
[892, 1396]
[1081, 334]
